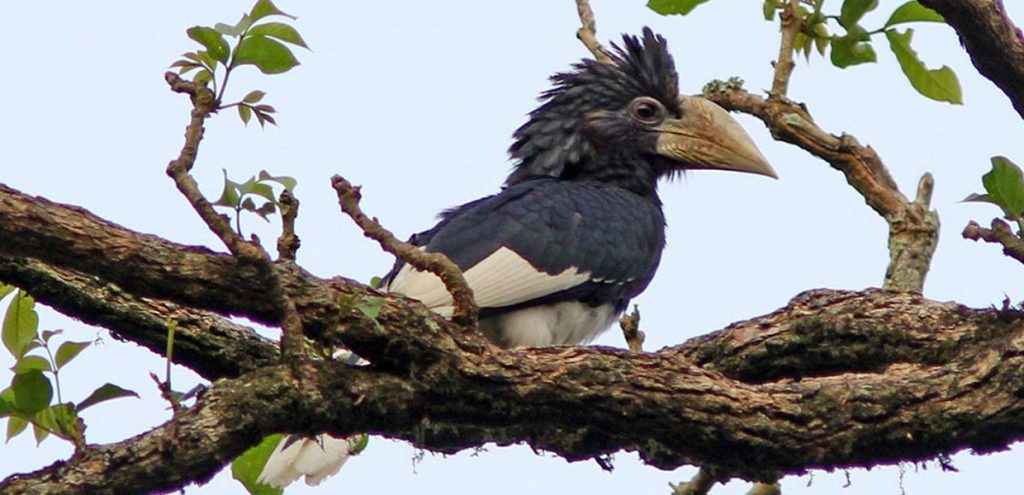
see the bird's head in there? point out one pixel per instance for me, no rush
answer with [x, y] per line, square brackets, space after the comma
[625, 122]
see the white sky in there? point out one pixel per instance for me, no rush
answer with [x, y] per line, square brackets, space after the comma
[416, 101]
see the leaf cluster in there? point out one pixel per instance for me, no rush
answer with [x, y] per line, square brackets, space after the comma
[1004, 187]
[255, 195]
[29, 399]
[263, 45]
[848, 43]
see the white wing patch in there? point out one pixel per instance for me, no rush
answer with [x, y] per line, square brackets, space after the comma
[314, 458]
[501, 279]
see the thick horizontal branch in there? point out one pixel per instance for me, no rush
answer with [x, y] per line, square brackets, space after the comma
[209, 344]
[935, 396]
[913, 227]
[71, 238]
[995, 44]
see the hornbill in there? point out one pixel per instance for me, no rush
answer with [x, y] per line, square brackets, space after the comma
[578, 229]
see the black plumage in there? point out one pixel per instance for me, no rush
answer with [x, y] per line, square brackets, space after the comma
[581, 204]
[578, 229]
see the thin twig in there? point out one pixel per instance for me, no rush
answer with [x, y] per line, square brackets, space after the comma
[790, 21]
[288, 243]
[203, 105]
[587, 33]
[630, 324]
[913, 227]
[464, 306]
[1001, 234]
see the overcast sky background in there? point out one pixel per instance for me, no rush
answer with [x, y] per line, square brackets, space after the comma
[416, 101]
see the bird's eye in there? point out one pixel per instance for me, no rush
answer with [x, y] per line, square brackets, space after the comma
[647, 111]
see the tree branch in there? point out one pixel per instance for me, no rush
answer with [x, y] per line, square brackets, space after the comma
[913, 227]
[789, 20]
[995, 44]
[1001, 234]
[587, 33]
[207, 343]
[465, 309]
[927, 397]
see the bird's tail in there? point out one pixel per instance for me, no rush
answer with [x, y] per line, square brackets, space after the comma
[315, 458]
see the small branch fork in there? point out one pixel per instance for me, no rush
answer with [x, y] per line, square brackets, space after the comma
[1000, 233]
[204, 104]
[465, 309]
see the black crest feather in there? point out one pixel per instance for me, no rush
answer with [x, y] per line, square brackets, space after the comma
[550, 143]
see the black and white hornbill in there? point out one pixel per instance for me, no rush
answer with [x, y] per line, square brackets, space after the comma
[578, 229]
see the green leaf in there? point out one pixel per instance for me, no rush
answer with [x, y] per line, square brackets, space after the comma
[768, 8]
[289, 183]
[938, 84]
[247, 467]
[266, 210]
[61, 419]
[280, 31]
[913, 11]
[212, 40]
[202, 77]
[264, 8]
[853, 10]
[15, 425]
[236, 30]
[5, 289]
[6, 402]
[32, 392]
[673, 7]
[28, 363]
[358, 443]
[67, 351]
[846, 52]
[821, 37]
[40, 433]
[49, 334]
[1005, 187]
[230, 195]
[245, 113]
[269, 56]
[254, 96]
[252, 186]
[105, 392]
[248, 204]
[20, 325]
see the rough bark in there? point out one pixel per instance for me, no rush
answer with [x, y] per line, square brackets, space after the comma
[835, 379]
[995, 44]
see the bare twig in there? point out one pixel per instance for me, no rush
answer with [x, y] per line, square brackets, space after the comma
[913, 227]
[587, 33]
[203, 104]
[630, 324]
[1000, 233]
[288, 243]
[464, 306]
[700, 484]
[790, 21]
